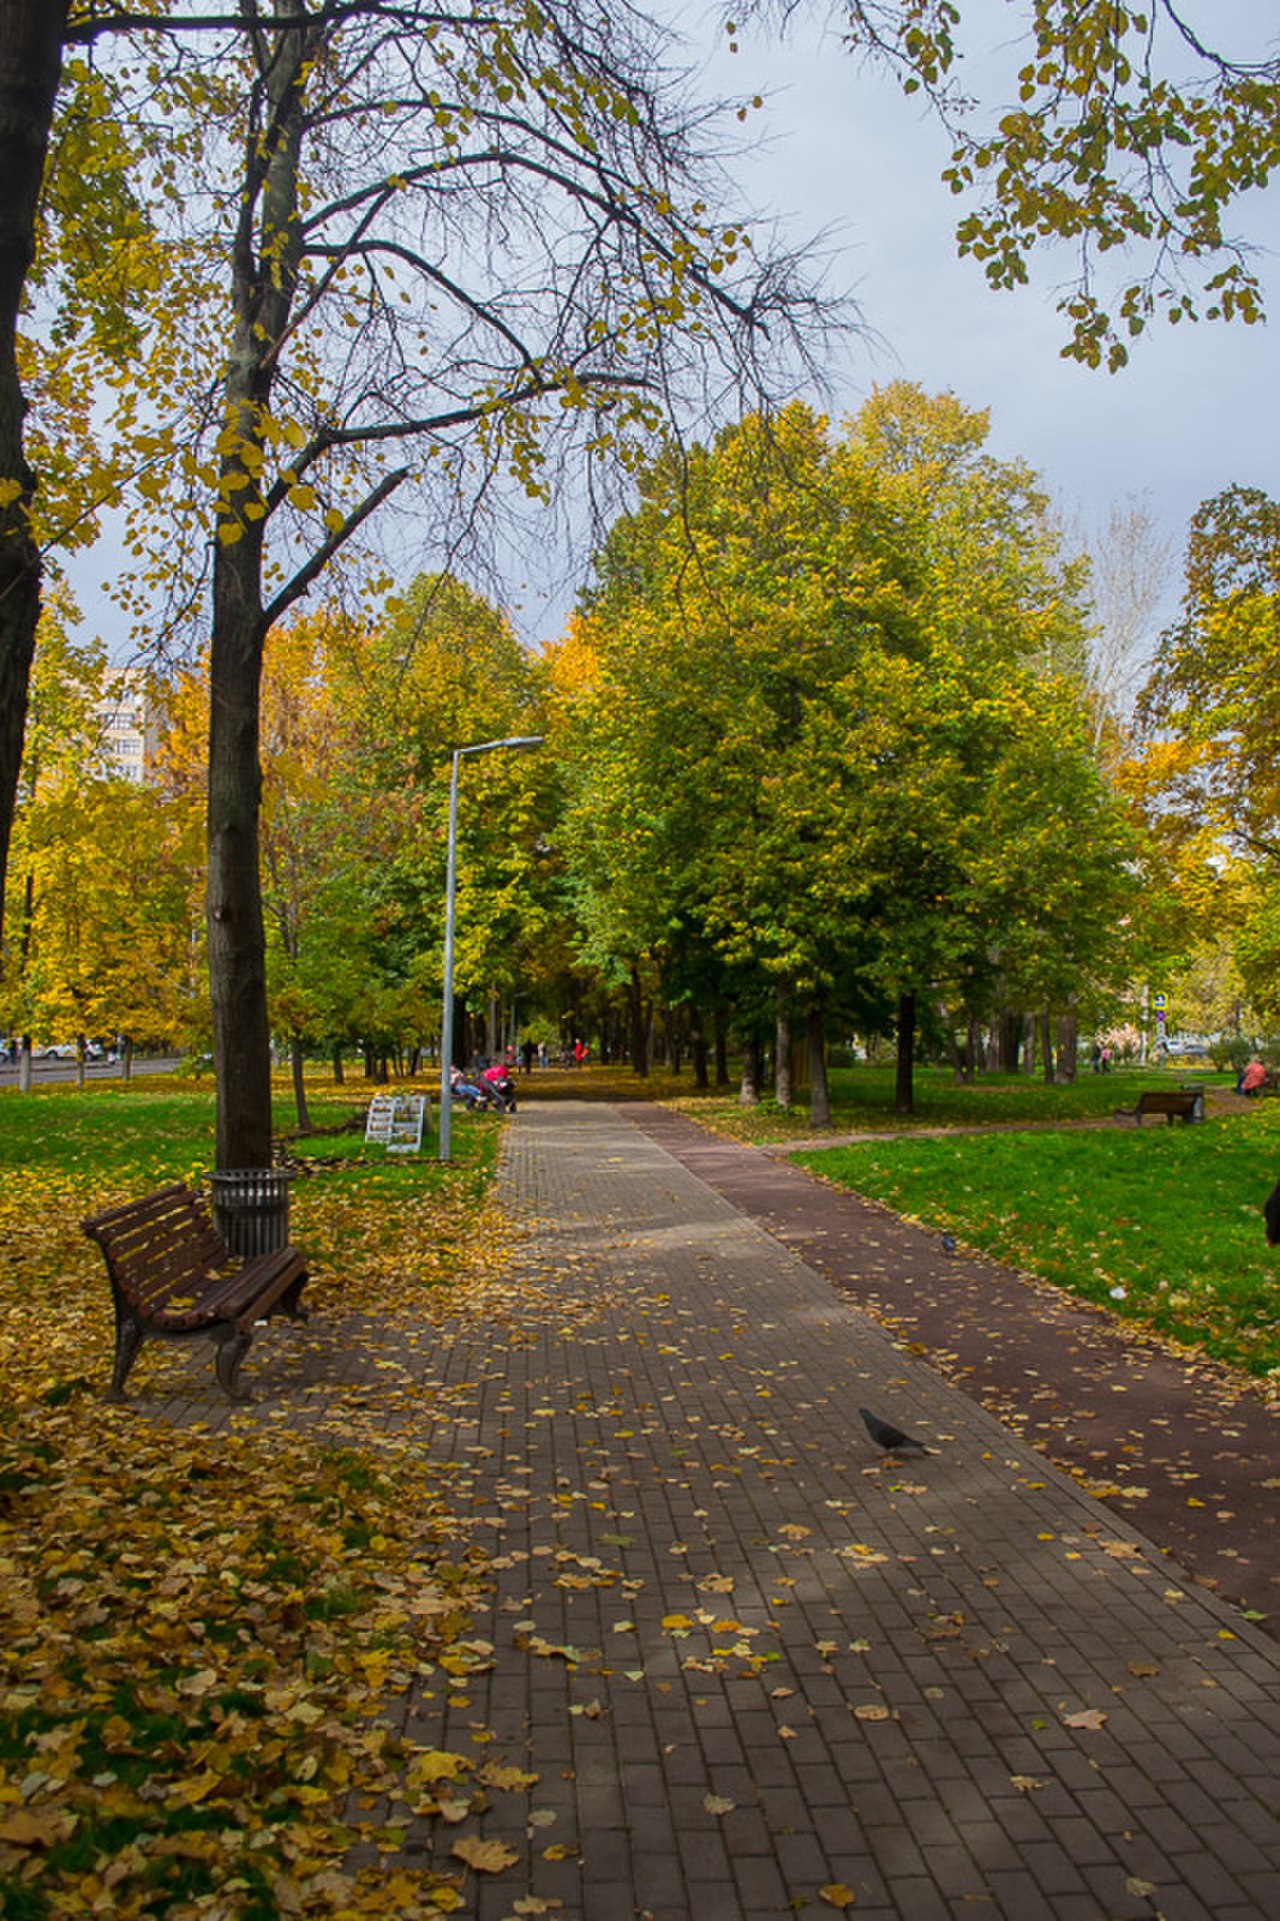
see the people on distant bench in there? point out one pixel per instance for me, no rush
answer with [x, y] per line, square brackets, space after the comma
[1252, 1079]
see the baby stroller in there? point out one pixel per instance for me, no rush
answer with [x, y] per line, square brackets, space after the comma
[500, 1088]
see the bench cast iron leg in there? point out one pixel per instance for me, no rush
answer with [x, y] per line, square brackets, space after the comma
[128, 1341]
[232, 1348]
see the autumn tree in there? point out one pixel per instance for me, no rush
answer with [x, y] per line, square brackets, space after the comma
[103, 912]
[1206, 770]
[453, 234]
[30, 62]
[1135, 137]
[823, 737]
[443, 668]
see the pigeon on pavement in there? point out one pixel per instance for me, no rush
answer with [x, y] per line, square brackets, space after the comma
[890, 1438]
[949, 1244]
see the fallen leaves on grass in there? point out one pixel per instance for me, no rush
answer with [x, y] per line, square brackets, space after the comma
[205, 1631]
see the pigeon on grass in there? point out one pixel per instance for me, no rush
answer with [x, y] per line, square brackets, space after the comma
[890, 1438]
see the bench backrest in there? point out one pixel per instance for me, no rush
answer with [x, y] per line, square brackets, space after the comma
[158, 1247]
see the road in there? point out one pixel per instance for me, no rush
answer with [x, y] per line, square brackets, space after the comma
[43, 1072]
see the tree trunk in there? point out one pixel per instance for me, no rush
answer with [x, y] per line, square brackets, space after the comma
[819, 1091]
[722, 1048]
[639, 1035]
[961, 1068]
[299, 1083]
[782, 1060]
[264, 278]
[749, 1085]
[1068, 1047]
[698, 1051]
[30, 67]
[1046, 1045]
[904, 1101]
[237, 948]
[338, 1072]
[1010, 1042]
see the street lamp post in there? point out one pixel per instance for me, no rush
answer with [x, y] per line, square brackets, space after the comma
[450, 896]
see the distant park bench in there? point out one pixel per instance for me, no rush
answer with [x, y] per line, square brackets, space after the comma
[1175, 1103]
[173, 1278]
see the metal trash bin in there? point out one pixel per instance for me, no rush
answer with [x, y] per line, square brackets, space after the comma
[251, 1209]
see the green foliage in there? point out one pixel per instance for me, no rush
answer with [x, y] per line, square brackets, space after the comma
[1133, 138]
[823, 725]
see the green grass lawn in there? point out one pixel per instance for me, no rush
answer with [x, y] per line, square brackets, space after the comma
[1161, 1225]
[862, 1100]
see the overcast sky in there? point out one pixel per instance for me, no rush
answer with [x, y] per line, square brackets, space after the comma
[846, 153]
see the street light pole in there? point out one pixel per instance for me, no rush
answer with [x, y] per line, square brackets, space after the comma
[450, 901]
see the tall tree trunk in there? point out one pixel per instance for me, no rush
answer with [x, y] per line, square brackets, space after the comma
[30, 67]
[722, 1047]
[264, 277]
[904, 1100]
[1045, 1027]
[815, 1029]
[961, 1068]
[749, 1085]
[698, 1050]
[338, 1071]
[1068, 1047]
[237, 947]
[639, 1030]
[299, 1083]
[782, 1059]
[1010, 1042]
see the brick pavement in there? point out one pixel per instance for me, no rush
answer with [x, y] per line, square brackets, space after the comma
[744, 1667]
[748, 1660]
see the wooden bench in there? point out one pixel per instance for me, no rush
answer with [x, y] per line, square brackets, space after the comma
[172, 1278]
[1175, 1103]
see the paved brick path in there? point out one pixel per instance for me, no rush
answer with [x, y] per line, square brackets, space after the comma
[742, 1667]
[1168, 1440]
[749, 1661]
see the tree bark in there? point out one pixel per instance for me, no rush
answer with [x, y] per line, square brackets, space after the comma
[31, 34]
[698, 1050]
[819, 1090]
[264, 277]
[722, 1047]
[904, 1085]
[749, 1085]
[782, 1060]
[639, 1033]
[297, 1066]
[1046, 1045]
[237, 945]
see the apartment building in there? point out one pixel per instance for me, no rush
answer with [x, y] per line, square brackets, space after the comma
[127, 731]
